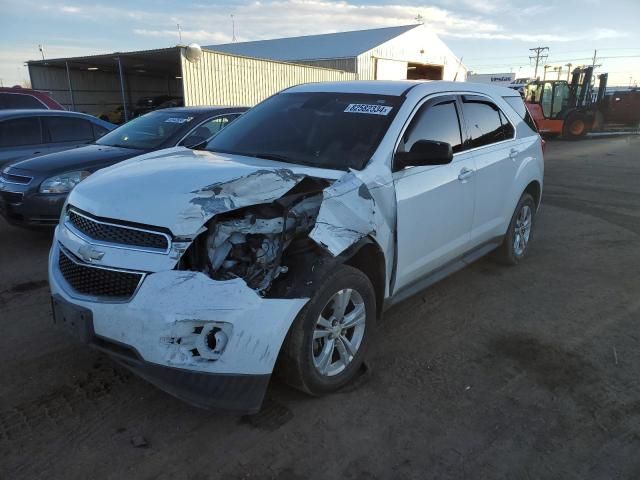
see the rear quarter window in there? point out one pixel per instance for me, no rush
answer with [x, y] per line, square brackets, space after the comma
[518, 105]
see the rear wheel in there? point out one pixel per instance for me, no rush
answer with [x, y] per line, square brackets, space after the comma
[515, 245]
[327, 343]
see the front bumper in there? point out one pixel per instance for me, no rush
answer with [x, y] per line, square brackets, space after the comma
[22, 206]
[161, 334]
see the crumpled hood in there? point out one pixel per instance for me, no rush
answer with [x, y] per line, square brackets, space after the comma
[181, 189]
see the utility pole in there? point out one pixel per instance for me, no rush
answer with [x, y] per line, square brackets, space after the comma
[41, 48]
[233, 29]
[595, 53]
[559, 69]
[568, 65]
[179, 34]
[538, 53]
[546, 67]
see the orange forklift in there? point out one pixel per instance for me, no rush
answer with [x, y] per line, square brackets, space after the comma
[566, 109]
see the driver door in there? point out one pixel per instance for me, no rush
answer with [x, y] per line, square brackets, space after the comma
[435, 204]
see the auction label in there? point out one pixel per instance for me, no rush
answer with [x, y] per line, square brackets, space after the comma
[370, 109]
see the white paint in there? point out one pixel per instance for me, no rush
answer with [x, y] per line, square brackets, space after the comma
[419, 217]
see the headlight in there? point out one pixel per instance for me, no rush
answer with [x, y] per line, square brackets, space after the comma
[63, 183]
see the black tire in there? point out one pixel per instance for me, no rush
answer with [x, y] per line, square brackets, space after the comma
[507, 253]
[576, 127]
[296, 362]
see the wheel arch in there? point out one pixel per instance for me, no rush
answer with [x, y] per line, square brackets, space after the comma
[535, 190]
[367, 256]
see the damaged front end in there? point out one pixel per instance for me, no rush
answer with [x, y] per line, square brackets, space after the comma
[209, 315]
[250, 243]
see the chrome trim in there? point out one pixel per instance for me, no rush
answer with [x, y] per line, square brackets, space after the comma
[89, 298]
[92, 241]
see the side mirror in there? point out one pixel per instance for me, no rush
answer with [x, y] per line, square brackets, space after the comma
[424, 152]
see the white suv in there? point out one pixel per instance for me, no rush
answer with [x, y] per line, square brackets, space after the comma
[287, 237]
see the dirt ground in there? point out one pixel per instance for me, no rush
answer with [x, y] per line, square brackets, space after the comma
[529, 372]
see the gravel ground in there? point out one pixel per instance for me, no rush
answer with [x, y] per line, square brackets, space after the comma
[524, 372]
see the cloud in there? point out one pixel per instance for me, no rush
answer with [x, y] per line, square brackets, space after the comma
[187, 35]
[68, 9]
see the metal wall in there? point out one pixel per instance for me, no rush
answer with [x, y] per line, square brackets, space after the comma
[348, 64]
[223, 79]
[96, 92]
[418, 45]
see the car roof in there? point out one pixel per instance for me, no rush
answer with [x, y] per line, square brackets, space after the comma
[202, 109]
[400, 87]
[41, 112]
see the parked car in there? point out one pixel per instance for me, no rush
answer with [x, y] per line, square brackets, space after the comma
[29, 133]
[115, 115]
[148, 104]
[33, 191]
[21, 98]
[290, 235]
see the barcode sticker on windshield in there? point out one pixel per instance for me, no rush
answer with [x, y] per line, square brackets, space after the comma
[370, 109]
[178, 120]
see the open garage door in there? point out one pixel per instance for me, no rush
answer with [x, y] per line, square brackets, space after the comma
[420, 71]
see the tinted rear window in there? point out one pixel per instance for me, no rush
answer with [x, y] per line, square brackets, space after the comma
[518, 105]
[19, 100]
[484, 123]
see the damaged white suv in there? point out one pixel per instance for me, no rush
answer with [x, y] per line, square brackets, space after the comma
[280, 244]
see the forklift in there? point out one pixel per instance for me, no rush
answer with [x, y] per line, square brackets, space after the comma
[567, 109]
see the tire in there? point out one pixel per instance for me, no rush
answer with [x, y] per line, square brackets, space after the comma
[300, 363]
[576, 127]
[512, 251]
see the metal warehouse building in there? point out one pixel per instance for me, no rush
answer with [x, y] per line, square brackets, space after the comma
[395, 53]
[243, 73]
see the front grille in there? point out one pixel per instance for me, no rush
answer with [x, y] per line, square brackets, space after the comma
[11, 197]
[13, 178]
[122, 235]
[98, 282]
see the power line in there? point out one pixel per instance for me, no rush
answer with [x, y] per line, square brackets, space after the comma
[541, 53]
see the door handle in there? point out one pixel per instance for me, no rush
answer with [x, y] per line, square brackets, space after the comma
[513, 154]
[464, 174]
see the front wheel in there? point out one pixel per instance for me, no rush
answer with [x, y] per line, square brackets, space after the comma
[515, 245]
[576, 127]
[327, 343]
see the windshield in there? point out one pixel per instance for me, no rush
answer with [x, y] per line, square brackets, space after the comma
[326, 130]
[148, 131]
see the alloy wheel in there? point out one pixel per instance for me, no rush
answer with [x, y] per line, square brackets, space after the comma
[338, 332]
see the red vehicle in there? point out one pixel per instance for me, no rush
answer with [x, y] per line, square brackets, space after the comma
[21, 98]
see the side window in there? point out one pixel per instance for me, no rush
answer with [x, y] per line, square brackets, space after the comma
[99, 131]
[508, 132]
[208, 129]
[518, 105]
[439, 122]
[20, 131]
[485, 123]
[68, 129]
[19, 100]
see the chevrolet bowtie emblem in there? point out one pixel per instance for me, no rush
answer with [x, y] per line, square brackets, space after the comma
[89, 254]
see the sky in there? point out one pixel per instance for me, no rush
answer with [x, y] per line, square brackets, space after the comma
[491, 36]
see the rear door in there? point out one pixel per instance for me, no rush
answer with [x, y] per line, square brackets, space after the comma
[21, 138]
[491, 140]
[67, 132]
[434, 203]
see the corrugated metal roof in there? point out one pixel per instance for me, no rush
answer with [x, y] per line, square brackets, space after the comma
[312, 47]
